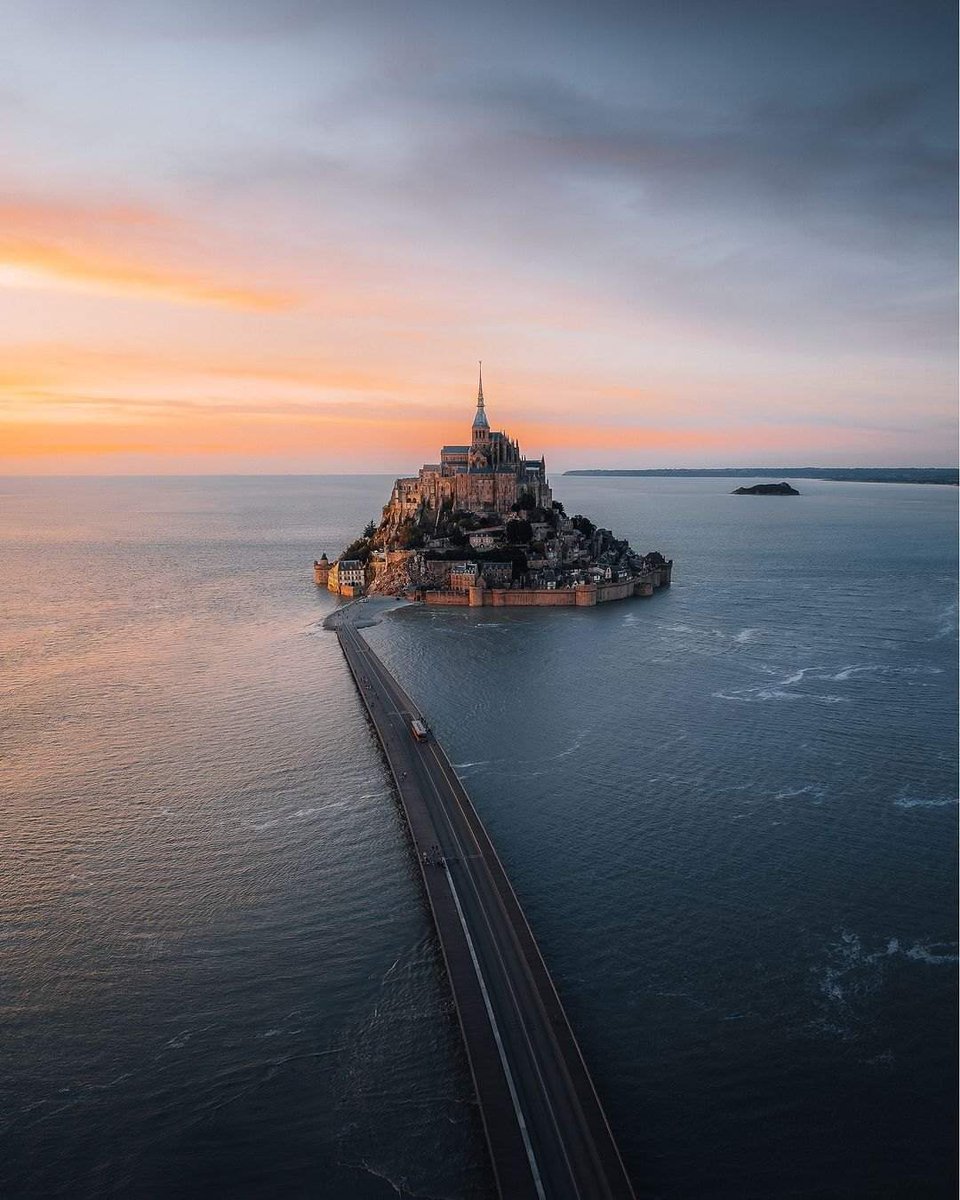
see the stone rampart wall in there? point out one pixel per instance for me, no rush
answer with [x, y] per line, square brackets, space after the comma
[615, 591]
[584, 596]
[524, 597]
[438, 597]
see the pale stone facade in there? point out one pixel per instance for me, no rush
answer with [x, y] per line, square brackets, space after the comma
[485, 539]
[347, 576]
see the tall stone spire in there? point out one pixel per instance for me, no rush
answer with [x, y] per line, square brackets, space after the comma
[480, 420]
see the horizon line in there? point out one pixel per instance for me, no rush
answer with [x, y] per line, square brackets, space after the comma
[570, 471]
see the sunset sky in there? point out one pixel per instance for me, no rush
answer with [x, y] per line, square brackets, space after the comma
[277, 235]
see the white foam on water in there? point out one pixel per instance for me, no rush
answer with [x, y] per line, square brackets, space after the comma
[825, 674]
[811, 789]
[947, 623]
[829, 985]
[855, 974]
[886, 1059]
[846, 673]
[796, 677]
[746, 635]
[926, 954]
[574, 746]
[755, 695]
[850, 977]
[399, 1188]
[777, 691]
[924, 802]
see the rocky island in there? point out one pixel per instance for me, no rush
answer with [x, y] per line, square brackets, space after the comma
[766, 489]
[481, 527]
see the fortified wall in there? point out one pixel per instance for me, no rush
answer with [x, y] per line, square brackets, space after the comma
[583, 596]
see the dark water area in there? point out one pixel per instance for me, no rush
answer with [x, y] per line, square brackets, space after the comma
[729, 810]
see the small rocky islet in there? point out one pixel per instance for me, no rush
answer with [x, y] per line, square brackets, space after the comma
[766, 489]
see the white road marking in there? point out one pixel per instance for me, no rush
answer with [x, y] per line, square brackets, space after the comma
[495, 942]
[531, 1157]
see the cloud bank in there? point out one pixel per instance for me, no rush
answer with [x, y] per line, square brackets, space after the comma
[722, 231]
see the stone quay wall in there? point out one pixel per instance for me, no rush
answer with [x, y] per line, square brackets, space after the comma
[446, 597]
[527, 597]
[587, 594]
[616, 591]
[479, 595]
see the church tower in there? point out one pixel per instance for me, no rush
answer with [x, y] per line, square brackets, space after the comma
[481, 428]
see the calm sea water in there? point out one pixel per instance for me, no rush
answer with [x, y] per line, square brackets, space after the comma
[729, 810]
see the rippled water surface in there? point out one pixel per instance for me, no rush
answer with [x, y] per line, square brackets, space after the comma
[729, 810]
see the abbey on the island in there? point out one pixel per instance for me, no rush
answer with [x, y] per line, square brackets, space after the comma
[481, 527]
[485, 476]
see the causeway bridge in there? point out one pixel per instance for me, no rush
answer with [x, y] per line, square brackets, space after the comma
[546, 1131]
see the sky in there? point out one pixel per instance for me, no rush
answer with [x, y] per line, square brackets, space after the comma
[269, 236]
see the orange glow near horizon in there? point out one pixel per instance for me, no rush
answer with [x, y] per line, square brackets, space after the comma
[340, 373]
[403, 441]
[35, 265]
[120, 250]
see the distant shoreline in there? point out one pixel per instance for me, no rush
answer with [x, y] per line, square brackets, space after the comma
[939, 475]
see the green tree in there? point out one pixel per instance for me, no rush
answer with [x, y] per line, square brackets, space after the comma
[519, 567]
[360, 549]
[370, 529]
[409, 537]
[519, 532]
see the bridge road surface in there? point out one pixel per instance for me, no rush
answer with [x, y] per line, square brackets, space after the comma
[546, 1131]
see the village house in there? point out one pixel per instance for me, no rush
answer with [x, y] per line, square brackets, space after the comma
[486, 539]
